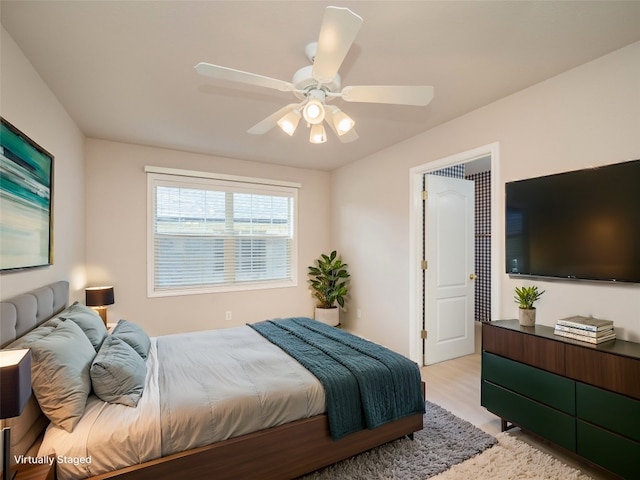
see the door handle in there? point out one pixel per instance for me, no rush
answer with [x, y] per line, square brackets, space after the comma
[472, 276]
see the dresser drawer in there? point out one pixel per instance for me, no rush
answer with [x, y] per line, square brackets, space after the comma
[552, 424]
[608, 410]
[616, 373]
[544, 387]
[528, 348]
[613, 452]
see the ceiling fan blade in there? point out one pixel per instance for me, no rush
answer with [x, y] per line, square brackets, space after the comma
[233, 75]
[272, 120]
[350, 136]
[337, 33]
[398, 94]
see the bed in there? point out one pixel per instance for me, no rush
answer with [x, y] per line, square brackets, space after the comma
[292, 421]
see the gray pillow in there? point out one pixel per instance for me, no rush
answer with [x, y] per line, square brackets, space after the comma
[60, 373]
[134, 335]
[37, 333]
[88, 320]
[118, 373]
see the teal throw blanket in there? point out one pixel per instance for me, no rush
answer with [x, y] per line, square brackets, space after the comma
[366, 385]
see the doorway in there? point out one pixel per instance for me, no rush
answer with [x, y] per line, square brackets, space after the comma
[448, 271]
[454, 337]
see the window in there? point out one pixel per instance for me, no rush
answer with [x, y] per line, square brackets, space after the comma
[211, 233]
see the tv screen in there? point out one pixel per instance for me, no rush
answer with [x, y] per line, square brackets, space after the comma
[578, 225]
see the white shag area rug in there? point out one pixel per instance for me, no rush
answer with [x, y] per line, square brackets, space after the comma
[511, 459]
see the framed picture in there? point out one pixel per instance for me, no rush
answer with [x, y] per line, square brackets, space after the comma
[26, 191]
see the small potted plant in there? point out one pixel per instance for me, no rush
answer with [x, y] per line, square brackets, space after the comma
[525, 297]
[328, 280]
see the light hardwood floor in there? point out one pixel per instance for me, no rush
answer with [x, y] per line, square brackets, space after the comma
[455, 386]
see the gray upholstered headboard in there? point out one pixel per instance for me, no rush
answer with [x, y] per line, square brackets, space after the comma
[19, 315]
[23, 313]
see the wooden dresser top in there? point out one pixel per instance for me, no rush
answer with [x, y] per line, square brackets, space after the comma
[616, 347]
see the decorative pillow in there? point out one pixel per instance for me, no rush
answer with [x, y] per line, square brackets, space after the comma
[37, 333]
[134, 335]
[88, 320]
[118, 373]
[60, 373]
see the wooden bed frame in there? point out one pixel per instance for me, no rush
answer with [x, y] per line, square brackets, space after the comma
[285, 451]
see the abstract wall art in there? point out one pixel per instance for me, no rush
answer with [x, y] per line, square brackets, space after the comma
[26, 187]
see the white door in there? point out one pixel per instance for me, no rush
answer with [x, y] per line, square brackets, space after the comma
[449, 275]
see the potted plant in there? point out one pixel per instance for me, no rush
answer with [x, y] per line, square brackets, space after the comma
[328, 280]
[525, 297]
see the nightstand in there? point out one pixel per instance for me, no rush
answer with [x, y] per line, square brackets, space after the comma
[36, 472]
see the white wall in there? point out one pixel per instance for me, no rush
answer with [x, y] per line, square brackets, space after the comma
[114, 212]
[587, 116]
[29, 105]
[116, 202]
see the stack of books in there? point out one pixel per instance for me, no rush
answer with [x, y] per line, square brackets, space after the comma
[586, 329]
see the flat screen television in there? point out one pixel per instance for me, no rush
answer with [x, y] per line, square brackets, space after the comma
[582, 224]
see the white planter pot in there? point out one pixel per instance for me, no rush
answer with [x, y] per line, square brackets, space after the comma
[527, 317]
[330, 316]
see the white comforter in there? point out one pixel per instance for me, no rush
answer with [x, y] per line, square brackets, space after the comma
[225, 383]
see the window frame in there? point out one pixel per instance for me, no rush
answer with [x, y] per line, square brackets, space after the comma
[159, 176]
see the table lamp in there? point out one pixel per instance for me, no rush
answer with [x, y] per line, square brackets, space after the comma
[98, 298]
[15, 389]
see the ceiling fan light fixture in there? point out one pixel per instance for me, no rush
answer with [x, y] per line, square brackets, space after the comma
[289, 122]
[318, 134]
[316, 85]
[313, 111]
[342, 122]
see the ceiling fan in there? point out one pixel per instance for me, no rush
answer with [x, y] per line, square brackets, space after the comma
[318, 84]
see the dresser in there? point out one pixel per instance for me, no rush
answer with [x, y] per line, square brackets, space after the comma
[582, 397]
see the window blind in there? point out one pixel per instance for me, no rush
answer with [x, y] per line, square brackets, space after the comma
[213, 235]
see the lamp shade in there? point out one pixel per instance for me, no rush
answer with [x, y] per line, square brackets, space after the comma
[289, 122]
[342, 122]
[15, 381]
[318, 134]
[99, 296]
[313, 112]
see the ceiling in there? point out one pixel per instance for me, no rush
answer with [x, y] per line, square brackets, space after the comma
[124, 69]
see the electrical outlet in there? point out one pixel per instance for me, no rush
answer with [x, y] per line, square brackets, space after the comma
[359, 313]
[227, 315]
